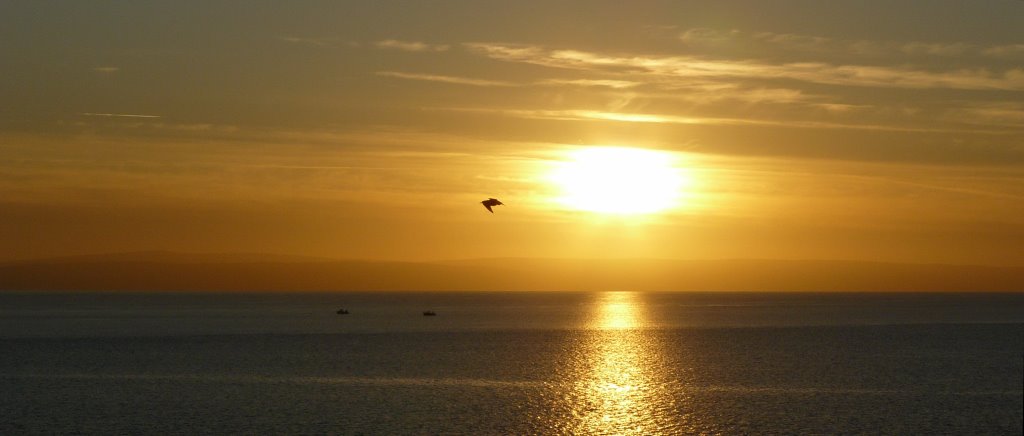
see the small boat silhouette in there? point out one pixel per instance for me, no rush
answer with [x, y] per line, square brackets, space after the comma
[429, 313]
[342, 312]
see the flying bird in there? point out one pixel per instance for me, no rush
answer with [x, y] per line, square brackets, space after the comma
[491, 202]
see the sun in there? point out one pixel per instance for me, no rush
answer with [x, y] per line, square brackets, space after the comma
[619, 180]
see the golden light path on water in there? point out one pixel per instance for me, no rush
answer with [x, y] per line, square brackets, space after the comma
[618, 376]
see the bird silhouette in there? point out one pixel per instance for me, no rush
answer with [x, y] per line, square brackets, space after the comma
[491, 202]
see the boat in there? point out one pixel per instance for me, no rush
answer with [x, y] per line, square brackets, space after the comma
[429, 313]
[342, 312]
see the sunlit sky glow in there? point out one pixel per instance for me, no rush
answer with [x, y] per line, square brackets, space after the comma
[790, 130]
[619, 180]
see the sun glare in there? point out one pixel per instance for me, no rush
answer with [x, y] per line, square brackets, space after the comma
[619, 180]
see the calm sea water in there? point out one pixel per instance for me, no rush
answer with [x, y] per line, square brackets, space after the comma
[511, 363]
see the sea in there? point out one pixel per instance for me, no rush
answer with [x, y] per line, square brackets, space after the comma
[511, 363]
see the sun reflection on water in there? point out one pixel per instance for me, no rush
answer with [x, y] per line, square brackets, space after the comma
[617, 311]
[616, 387]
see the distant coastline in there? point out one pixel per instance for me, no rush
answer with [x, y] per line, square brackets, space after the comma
[166, 271]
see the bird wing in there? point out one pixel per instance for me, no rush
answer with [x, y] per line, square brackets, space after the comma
[488, 206]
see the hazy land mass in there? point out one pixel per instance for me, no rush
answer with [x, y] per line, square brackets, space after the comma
[165, 271]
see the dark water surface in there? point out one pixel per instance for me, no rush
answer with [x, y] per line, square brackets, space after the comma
[512, 363]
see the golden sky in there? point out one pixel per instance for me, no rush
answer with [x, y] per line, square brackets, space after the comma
[372, 130]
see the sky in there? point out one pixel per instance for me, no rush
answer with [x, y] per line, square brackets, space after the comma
[867, 130]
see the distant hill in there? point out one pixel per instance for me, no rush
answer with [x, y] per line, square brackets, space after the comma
[165, 271]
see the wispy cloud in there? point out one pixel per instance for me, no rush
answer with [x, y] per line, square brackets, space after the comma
[93, 114]
[592, 115]
[608, 83]
[791, 40]
[415, 46]
[692, 67]
[705, 37]
[840, 107]
[716, 38]
[1010, 51]
[798, 42]
[444, 79]
[316, 42]
[1008, 114]
[712, 92]
[937, 49]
